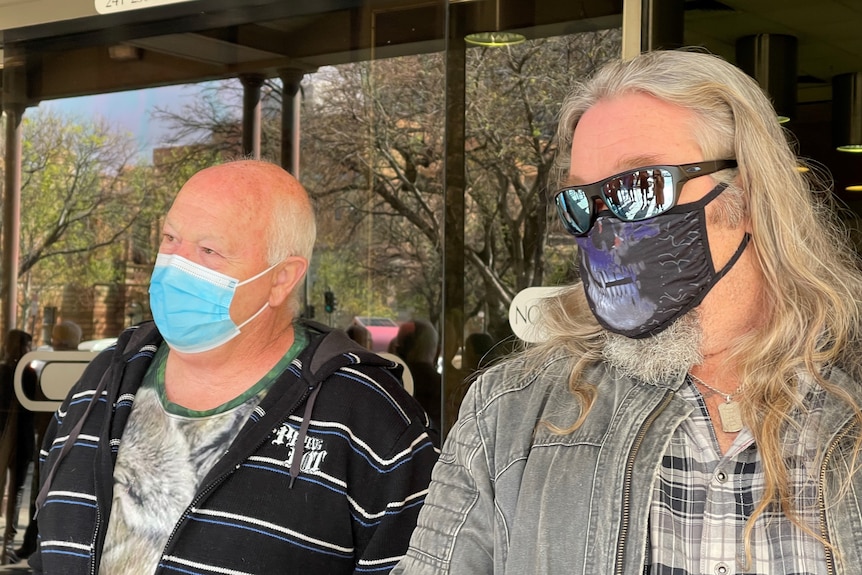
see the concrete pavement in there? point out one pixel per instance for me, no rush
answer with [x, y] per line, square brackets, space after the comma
[18, 568]
[23, 520]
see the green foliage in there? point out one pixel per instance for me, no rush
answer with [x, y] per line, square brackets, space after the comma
[80, 195]
[336, 271]
[208, 130]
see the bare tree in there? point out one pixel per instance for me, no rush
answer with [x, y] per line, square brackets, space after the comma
[374, 142]
[209, 127]
[372, 157]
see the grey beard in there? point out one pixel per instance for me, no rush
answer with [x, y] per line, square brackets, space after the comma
[658, 358]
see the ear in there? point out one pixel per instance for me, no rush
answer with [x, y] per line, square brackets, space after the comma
[286, 278]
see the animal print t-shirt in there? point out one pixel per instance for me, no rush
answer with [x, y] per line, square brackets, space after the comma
[166, 452]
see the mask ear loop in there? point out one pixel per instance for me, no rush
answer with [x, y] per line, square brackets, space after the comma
[257, 313]
[264, 272]
[265, 305]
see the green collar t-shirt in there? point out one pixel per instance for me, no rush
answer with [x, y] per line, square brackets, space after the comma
[166, 452]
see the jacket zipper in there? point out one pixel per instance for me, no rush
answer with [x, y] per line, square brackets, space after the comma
[94, 560]
[200, 496]
[821, 498]
[627, 482]
[95, 556]
[218, 481]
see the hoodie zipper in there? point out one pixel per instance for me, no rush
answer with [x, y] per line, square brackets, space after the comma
[821, 497]
[627, 481]
[110, 412]
[220, 479]
[93, 557]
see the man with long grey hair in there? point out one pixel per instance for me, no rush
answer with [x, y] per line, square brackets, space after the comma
[696, 406]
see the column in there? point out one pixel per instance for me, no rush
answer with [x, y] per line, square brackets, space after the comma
[291, 98]
[11, 213]
[652, 25]
[251, 114]
[14, 103]
[452, 331]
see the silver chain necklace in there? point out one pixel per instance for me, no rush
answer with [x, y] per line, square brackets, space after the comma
[728, 412]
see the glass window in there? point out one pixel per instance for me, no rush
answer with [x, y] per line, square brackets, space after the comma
[428, 157]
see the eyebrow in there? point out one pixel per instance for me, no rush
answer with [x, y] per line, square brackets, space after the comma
[624, 164]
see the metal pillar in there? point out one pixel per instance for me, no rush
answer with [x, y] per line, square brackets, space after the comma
[652, 25]
[847, 112]
[251, 114]
[772, 60]
[11, 213]
[291, 98]
[14, 103]
[452, 331]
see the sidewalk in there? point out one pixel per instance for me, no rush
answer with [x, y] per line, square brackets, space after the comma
[23, 519]
[20, 567]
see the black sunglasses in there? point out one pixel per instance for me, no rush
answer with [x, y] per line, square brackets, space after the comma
[631, 196]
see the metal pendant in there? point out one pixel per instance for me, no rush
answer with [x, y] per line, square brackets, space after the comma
[731, 417]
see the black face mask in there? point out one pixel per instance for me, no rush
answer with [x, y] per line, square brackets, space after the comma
[641, 276]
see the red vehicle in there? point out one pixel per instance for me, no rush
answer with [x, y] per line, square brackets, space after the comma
[382, 329]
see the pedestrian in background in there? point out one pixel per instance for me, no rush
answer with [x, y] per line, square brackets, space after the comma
[65, 336]
[17, 442]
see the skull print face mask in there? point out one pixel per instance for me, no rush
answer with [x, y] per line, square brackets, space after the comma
[641, 276]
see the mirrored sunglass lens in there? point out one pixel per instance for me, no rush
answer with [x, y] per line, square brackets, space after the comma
[640, 194]
[573, 207]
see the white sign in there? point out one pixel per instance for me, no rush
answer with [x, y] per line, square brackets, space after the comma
[21, 13]
[114, 6]
[57, 372]
[525, 313]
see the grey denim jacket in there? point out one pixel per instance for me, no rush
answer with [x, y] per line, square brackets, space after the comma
[508, 495]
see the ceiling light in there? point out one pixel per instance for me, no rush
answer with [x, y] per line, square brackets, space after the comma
[124, 52]
[495, 38]
[491, 23]
[847, 112]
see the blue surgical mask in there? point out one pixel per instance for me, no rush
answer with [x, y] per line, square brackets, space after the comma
[191, 304]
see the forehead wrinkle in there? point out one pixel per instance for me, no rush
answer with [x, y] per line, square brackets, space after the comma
[186, 230]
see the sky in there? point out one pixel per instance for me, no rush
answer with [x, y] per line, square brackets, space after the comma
[127, 111]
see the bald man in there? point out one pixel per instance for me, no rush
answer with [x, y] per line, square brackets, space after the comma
[227, 436]
[66, 336]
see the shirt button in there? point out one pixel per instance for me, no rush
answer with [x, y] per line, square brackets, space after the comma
[721, 569]
[721, 476]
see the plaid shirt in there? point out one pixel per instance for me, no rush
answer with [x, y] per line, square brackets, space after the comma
[702, 500]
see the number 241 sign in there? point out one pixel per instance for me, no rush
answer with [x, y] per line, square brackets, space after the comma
[113, 6]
